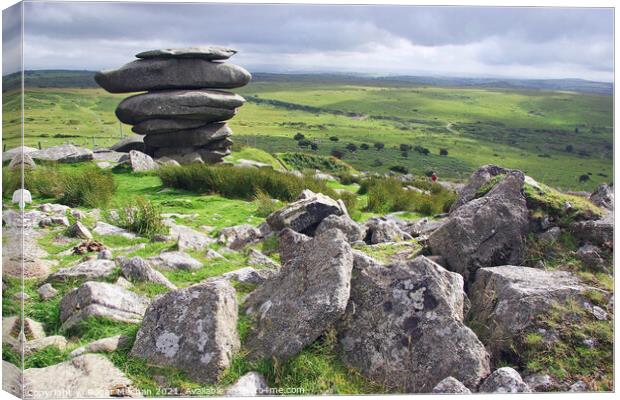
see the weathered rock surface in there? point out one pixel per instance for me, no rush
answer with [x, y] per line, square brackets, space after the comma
[105, 345]
[423, 226]
[258, 259]
[32, 346]
[452, 386]
[47, 291]
[504, 380]
[138, 161]
[125, 145]
[592, 257]
[309, 293]
[20, 161]
[289, 242]
[65, 153]
[89, 376]
[305, 214]
[508, 299]
[9, 154]
[164, 74]
[191, 154]
[188, 238]
[250, 384]
[91, 269]
[137, 269]
[201, 136]
[193, 329]
[209, 53]
[171, 260]
[380, 230]
[107, 155]
[478, 179]
[239, 236]
[79, 230]
[485, 232]
[104, 229]
[99, 299]
[158, 126]
[249, 275]
[603, 197]
[403, 326]
[541, 383]
[599, 232]
[352, 230]
[12, 379]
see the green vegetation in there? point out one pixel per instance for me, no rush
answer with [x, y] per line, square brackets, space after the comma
[564, 207]
[142, 217]
[304, 161]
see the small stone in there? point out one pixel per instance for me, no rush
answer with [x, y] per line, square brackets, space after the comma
[209, 53]
[105, 254]
[172, 260]
[47, 291]
[504, 380]
[139, 162]
[105, 345]
[451, 385]
[79, 230]
[579, 386]
[21, 296]
[65, 153]
[250, 384]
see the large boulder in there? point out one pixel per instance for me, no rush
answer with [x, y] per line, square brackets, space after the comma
[478, 179]
[138, 270]
[138, 161]
[194, 329]
[125, 145]
[305, 214]
[22, 161]
[381, 230]
[487, 231]
[352, 230]
[158, 126]
[170, 73]
[204, 105]
[64, 153]
[101, 300]
[89, 376]
[603, 197]
[209, 53]
[190, 137]
[310, 293]
[507, 300]
[9, 154]
[404, 327]
[90, 269]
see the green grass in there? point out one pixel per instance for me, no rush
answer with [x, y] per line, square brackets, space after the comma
[555, 204]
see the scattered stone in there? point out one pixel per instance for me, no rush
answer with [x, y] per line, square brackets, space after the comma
[452, 386]
[250, 384]
[124, 283]
[89, 375]
[21, 296]
[10, 154]
[138, 161]
[104, 300]
[172, 260]
[249, 275]
[487, 231]
[591, 257]
[105, 254]
[12, 331]
[423, 227]
[579, 386]
[603, 197]
[541, 383]
[309, 293]
[22, 161]
[54, 221]
[88, 246]
[32, 346]
[551, 235]
[189, 239]
[305, 214]
[105, 229]
[404, 326]
[91, 269]
[237, 237]
[47, 291]
[21, 197]
[125, 145]
[65, 153]
[596, 311]
[352, 230]
[212, 254]
[209, 53]
[105, 345]
[598, 232]
[138, 270]
[258, 259]
[504, 380]
[193, 329]
[380, 230]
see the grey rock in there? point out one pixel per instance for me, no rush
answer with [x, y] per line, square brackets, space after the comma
[258, 259]
[107, 155]
[423, 226]
[297, 305]
[204, 105]
[603, 197]
[289, 242]
[9, 154]
[65, 153]
[551, 235]
[167, 162]
[47, 291]
[193, 329]
[157, 126]
[478, 179]
[380, 230]
[32, 346]
[510, 298]
[105, 345]
[124, 283]
[598, 232]
[22, 161]
[90, 269]
[138, 270]
[209, 53]
[212, 254]
[352, 230]
[105, 254]
[504, 380]
[579, 386]
[190, 155]
[12, 379]
[173, 260]
[163, 74]
[139, 162]
[239, 236]
[487, 231]
[452, 386]
[103, 300]
[54, 221]
[541, 383]
[249, 275]
[188, 238]
[305, 214]
[125, 145]
[105, 229]
[89, 375]
[79, 230]
[190, 137]
[591, 256]
[250, 384]
[404, 327]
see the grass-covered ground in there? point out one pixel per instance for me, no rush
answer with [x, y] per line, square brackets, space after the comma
[556, 137]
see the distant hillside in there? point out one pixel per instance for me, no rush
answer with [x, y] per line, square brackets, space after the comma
[68, 78]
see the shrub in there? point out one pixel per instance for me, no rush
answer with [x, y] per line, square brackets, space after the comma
[379, 145]
[399, 169]
[584, 178]
[569, 148]
[422, 150]
[364, 146]
[142, 217]
[443, 152]
[352, 147]
[377, 163]
[11, 181]
[299, 136]
[265, 205]
[334, 138]
[404, 147]
[90, 188]
[404, 154]
[304, 143]
[302, 161]
[337, 153]
[314, 146]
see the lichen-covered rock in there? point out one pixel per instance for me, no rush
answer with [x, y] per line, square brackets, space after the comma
[452, 386]
[173, 260]
[598, 232]
[508, 299]
[90, 269]
[32, 346]
[541, 383]
[237, 237]
[381, 230]
[592, 257]
[209, 53]
[250, 384]
[504, 380]
[487, 231]
[103, 300]
[603, 197]
[105, 229]
[477, 180]
[193, 329]
[249, 275]
[138, 161]
[423, 226]
[105, 345]
[305, 214]
[188, 238]
[79, 230]
[309, 293]
[22, 161]
[352, 230]
[64, 153]
[258, 259]
[47, 291]
[403, 327]
[289, 242]
[138, 270]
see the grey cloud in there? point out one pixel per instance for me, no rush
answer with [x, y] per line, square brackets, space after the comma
[11, 39]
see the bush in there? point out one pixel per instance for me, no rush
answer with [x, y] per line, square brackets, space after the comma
[379, 145]
[352, 147]
[142, 217]
[302, 161]
[443, 152]
[89, 188]
[401, 169]
[584, 178]
[364, 146]
[337, 153]
[304, 143]
[377, 163]
[265, 205]
[334, 138]
[299, 136]
[404, 147]
[422, 150]
[314, 146]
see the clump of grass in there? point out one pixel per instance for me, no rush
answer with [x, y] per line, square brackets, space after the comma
[265, 205]
[563, 207]
[303, 161]
[143, 217]
[91, 187]
[486, 188]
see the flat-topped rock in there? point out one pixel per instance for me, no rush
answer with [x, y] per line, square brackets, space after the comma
[105, 345]
[137, 269]
[170, 73]
[209, 53]
[173, 260]
[91, 269]
[190, 137]
[65, 153]
[158, 126]
[104, 229]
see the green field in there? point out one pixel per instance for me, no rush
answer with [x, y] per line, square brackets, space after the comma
[528, 130]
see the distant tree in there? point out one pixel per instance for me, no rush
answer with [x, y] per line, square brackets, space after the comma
[584, 178]
[299, 136]
[401, 169]
[351, 147]
[443, 152]
[304, 143]
[404, 154]
[404, 147]
[569, 148]
[314, 146]
[337, 153]
[422, 150]
[379, 145]
[334, 138]
[364, 146]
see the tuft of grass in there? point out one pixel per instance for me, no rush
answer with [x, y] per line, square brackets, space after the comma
[143, 217]
[305, 161]
[563, 207]
[265, 205]
[90, 187]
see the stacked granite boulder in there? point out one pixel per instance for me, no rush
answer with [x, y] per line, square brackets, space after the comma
[182, 114]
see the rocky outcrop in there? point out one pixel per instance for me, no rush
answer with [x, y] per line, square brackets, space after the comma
[603, 197]
[404, 327]
[310, 292]
[477, 180]
[138, 270]
[193, 329]
[381, 230]
[487, 231]
[125, 145]
[352, 230]
[504, 380]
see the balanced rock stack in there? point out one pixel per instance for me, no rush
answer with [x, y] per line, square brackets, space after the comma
[181, 115]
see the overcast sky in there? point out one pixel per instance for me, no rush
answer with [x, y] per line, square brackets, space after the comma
[452, 41]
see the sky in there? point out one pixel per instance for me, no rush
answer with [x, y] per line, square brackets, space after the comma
[536, 43]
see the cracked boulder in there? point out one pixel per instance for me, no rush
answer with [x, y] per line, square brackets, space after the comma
[194, 329]
[404, 327]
